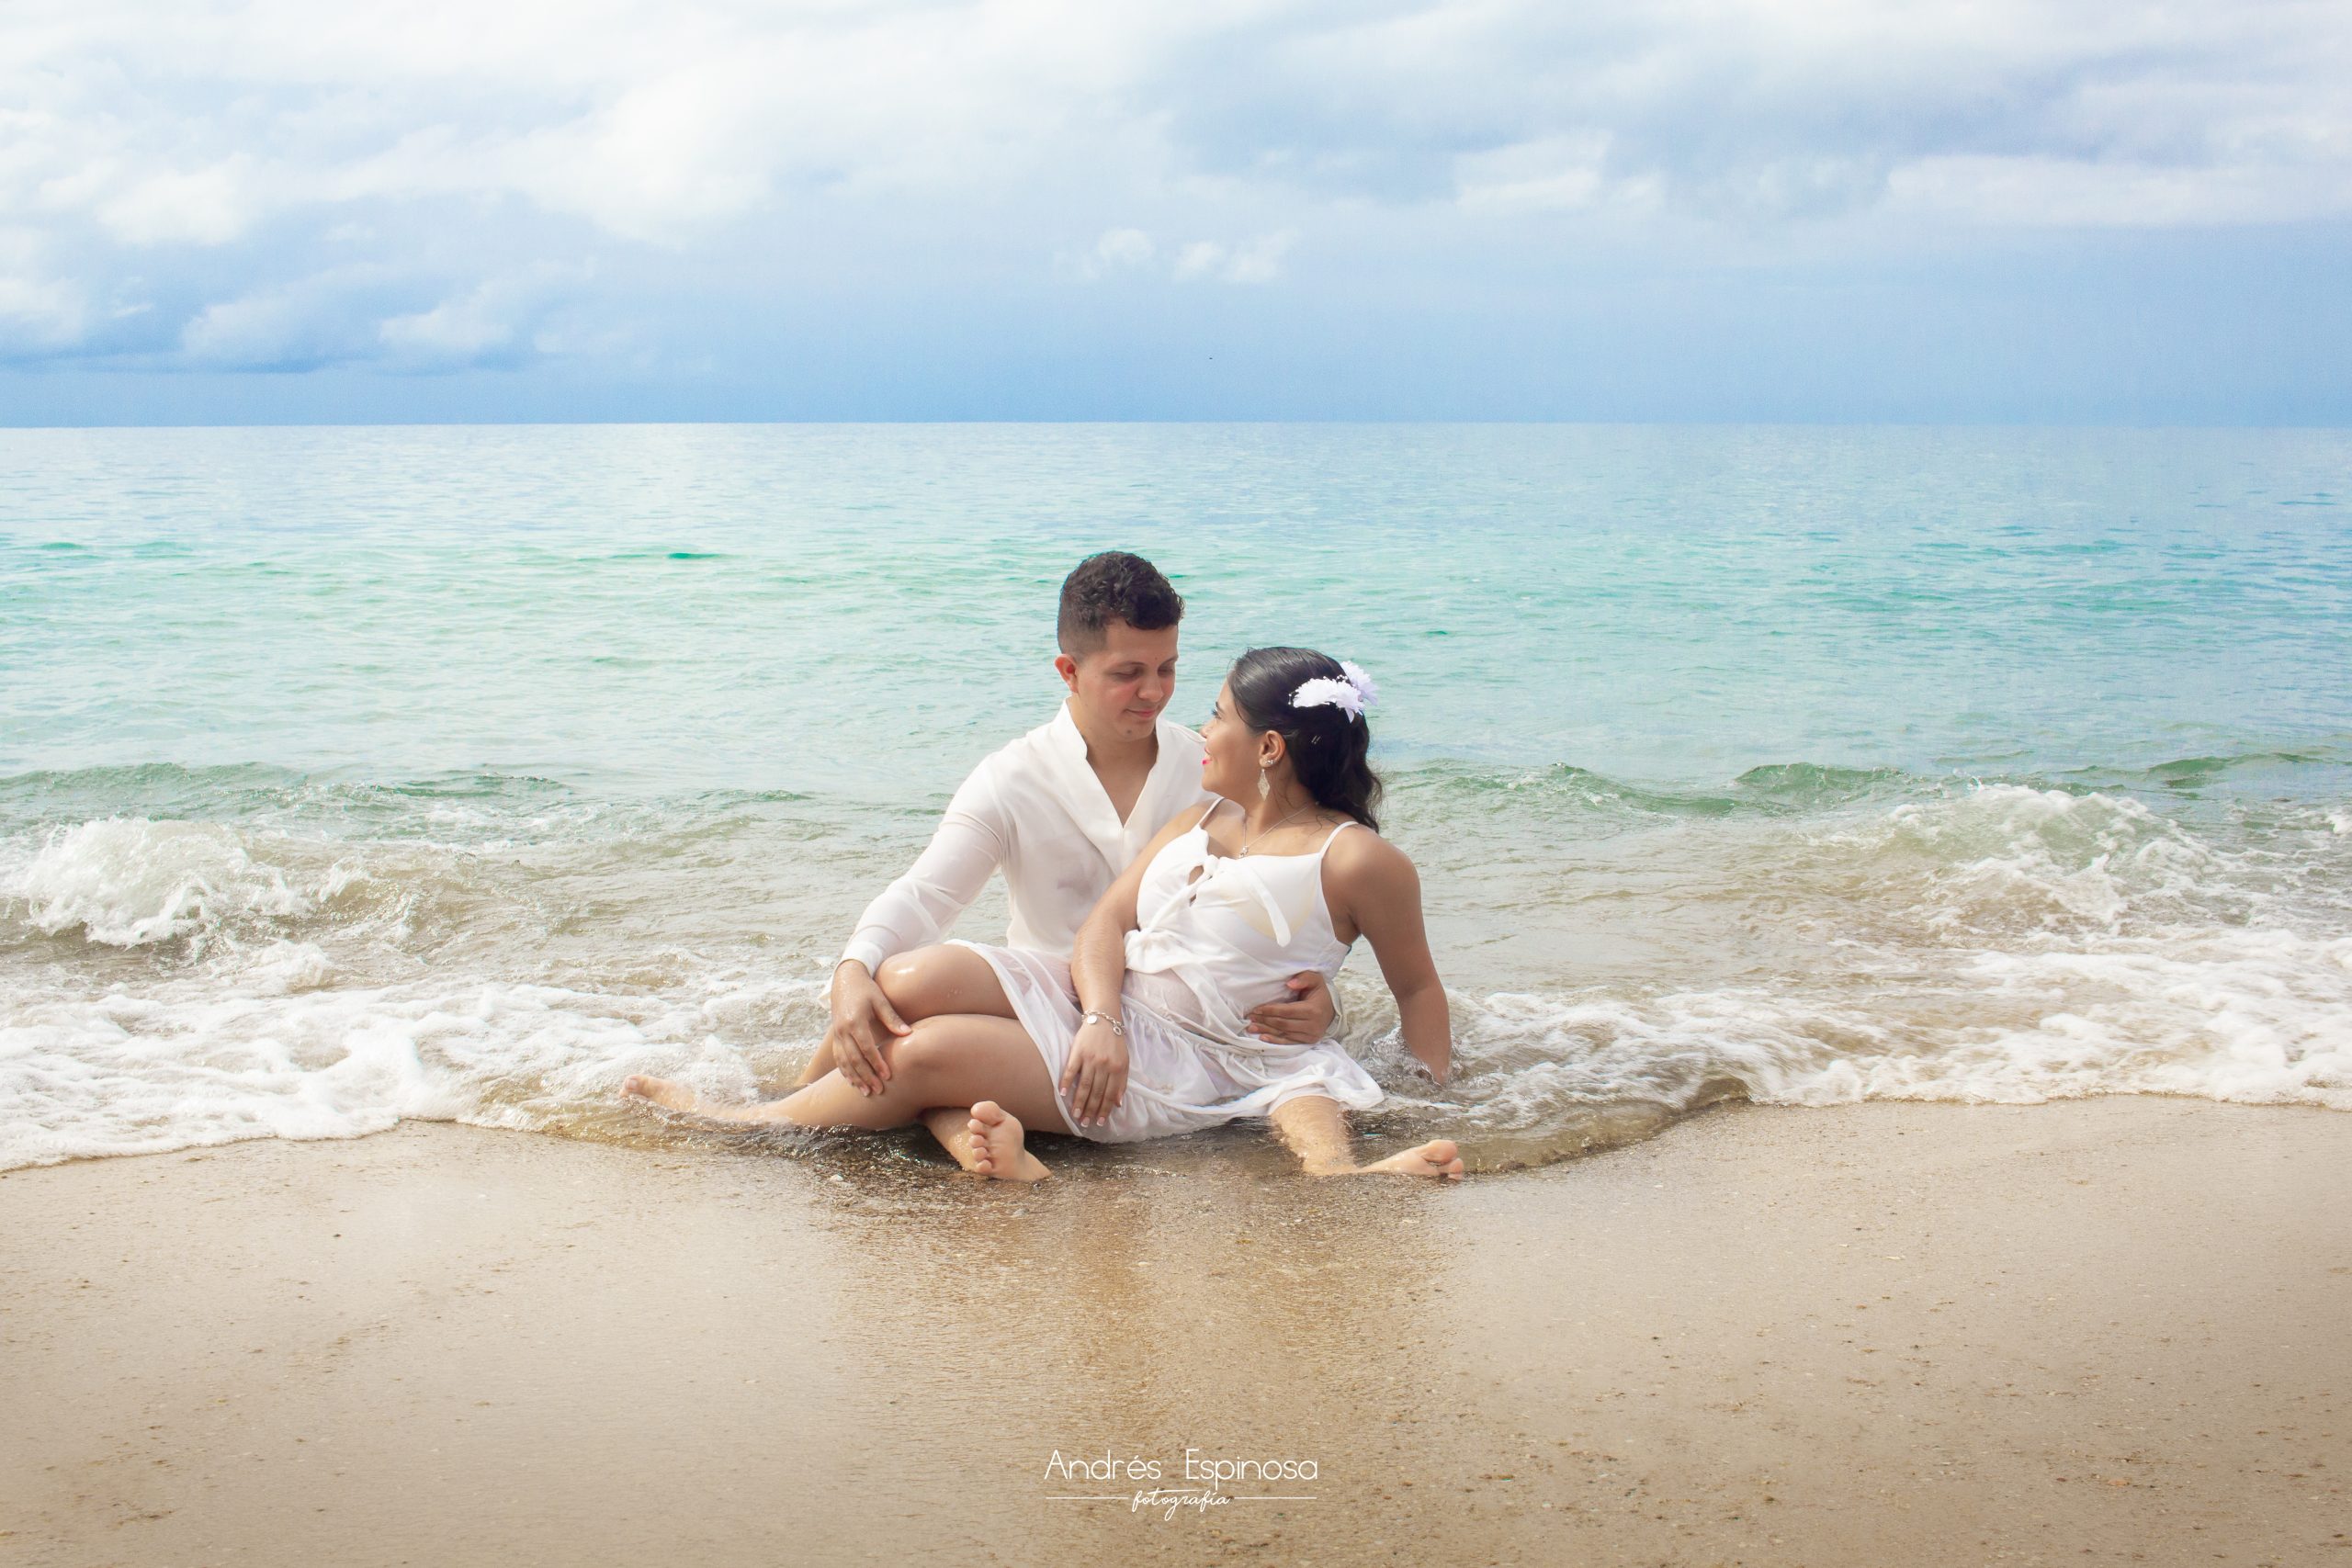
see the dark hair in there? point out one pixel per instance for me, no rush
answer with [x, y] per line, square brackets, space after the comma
[1113, 586]
[1326, 744]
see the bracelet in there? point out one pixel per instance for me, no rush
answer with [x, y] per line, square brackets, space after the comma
[1117, 1027]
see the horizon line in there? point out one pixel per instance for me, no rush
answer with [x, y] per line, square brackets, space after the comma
[2152, 426]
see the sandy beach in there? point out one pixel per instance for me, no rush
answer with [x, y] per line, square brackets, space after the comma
[2105, 1331]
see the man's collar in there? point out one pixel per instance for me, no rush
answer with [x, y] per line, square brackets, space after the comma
[1064, 733]
[1065, 743]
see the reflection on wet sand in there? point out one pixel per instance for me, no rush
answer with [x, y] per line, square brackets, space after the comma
[1886, 1334]
[1195, 1296]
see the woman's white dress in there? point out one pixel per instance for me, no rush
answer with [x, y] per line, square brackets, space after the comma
[1215, 936]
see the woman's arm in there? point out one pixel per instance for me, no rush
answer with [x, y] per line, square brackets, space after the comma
[1094, 1078]
[1373, 884]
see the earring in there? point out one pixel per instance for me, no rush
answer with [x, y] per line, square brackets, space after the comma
[1264, 789]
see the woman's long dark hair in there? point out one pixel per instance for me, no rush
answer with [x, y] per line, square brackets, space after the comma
[1327, 746]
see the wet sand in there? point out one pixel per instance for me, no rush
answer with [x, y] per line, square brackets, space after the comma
[2100, 1332]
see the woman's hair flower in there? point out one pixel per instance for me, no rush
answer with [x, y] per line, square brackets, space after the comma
[1350, 695]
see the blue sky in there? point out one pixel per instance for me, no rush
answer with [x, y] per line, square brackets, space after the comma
[1711, 209]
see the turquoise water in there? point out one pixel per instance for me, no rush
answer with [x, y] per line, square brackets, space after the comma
[348, 775]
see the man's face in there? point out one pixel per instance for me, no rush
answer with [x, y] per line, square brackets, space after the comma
[1123, 685]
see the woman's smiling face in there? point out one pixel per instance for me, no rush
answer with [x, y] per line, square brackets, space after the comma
[1229, 766]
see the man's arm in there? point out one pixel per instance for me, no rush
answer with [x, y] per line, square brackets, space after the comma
[918, 908]
[921, 906]
[1311, 1014]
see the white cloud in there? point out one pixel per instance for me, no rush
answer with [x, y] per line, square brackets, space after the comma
[1553, 173]
[2034, 190]
[361, 314]
[38, 314]
[230, 156]
[1252, 261]
[456, 331]
[1119, 250]
[1124, 247]
[1199, 259]
[1260, 260]
[203, 206]
[1257, 260]
[316, 322]
[497, 322]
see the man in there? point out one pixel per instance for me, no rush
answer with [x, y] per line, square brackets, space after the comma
[1062, 811]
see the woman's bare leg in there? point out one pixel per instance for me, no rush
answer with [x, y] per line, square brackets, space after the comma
[924, 982]
[1316, 1128]
[952, 1060]
[994, 1136]
[929, 982]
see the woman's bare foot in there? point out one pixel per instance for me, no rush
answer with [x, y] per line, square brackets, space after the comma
[997, 1148]
[661, 1091]
[1439, 1156]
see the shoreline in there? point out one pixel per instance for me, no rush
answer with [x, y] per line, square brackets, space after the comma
[2105, 1330]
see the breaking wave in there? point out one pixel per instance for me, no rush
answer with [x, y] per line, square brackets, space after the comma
[286, 957]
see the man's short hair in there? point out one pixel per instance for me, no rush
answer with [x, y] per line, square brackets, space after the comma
[1113, 586]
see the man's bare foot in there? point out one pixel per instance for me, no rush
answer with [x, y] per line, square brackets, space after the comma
[661, 1091]
[1439, 1156]
[997, 1148]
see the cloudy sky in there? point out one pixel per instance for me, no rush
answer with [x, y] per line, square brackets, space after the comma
[1918, 210]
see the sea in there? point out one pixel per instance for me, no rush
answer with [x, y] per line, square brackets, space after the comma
[356, 775]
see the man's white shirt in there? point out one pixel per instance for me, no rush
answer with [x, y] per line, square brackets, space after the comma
[1036, 810]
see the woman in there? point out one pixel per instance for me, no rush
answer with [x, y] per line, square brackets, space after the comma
[1143, 1033]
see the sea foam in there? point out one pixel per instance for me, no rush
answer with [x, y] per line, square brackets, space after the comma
[166, 983]
[128, 882]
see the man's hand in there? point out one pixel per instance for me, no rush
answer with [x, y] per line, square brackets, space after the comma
[863, 1020]
[1303, 1021]
[1094, 1080]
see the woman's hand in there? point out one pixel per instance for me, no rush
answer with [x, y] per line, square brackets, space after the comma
[1094, 1078]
